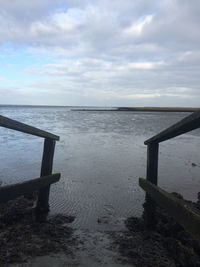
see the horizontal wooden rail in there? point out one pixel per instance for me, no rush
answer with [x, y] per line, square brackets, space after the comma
[13, 191]
[180, 210]
[21, 127]
[188, 124]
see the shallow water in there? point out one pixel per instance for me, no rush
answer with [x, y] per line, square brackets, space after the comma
[100, 156]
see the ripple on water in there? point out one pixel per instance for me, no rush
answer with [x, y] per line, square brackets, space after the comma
[100, 157]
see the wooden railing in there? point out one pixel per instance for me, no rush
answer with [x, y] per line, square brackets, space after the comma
[189, 217]
[42, 184]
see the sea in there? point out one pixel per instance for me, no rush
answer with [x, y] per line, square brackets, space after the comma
[100, 155]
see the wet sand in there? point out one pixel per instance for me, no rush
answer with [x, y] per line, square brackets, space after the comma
[21, 238]
[25, 243]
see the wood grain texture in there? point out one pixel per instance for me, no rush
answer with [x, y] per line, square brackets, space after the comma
[152, 176]
[13, 191]
[186, 215]
[46, 169]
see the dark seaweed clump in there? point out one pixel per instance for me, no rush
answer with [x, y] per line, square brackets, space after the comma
[168, 245]
[21, 237]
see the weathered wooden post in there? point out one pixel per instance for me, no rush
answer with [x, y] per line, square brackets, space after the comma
[151, 176]
[42, 208]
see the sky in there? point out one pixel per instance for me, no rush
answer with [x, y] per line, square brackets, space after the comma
[100, 52]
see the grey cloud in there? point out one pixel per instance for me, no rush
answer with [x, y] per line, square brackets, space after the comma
[114, 49]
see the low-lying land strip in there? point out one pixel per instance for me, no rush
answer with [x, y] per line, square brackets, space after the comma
[142, 109]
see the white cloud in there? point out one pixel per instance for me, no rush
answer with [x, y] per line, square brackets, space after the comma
[146, 65]
[137, 28]
[122, 49]
[57, 24]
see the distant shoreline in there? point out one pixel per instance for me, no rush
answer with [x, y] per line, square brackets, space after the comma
[93, 108]
[142, 109]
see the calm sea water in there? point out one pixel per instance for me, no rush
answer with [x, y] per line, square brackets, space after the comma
[100, 155]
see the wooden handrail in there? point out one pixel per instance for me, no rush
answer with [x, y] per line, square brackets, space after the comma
[41, 184]
[185, 214]
[187, 124]
[21, 127]
[13, 191]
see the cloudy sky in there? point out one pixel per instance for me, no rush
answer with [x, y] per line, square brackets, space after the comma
[100, 52]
